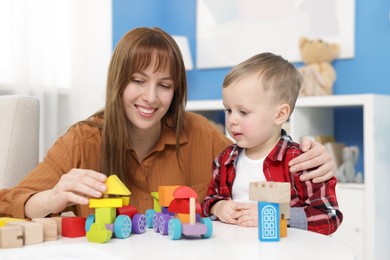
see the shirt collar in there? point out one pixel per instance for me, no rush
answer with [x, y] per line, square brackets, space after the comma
[276, 154]
[168, 137]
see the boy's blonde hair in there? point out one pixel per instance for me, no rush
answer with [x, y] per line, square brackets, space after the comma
[275, 73]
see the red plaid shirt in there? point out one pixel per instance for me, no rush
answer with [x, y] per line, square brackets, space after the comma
[318, 199]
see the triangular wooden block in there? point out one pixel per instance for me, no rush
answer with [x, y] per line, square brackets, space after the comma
[115, 186]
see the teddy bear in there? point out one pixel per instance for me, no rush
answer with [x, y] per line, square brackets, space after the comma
[318, 73]
[346, 171]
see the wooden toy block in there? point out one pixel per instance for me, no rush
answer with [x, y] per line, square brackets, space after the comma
[32, 231]
[276, 192]
[156, 203]
[73, 227]
[269, 222]
[11, 236]
[184, 218]
[5, 220]
[184, 192]
[115, 186]
[193, 229]
[98, 233]
[106, 203]
[49, 228]
[283, 227]
[127, 210]
[125, 201]
[166, 195]
[284, 209]
[58, 220]
[105, 215]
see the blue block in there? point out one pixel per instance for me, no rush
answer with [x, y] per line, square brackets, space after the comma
[269, 222]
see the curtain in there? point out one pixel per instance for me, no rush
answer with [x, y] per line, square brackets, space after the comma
[57, 51]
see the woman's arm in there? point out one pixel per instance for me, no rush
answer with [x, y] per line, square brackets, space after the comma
[315, 156]
[73, 188]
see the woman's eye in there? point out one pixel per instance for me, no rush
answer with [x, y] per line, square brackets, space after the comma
[165, 86]
[137, 81]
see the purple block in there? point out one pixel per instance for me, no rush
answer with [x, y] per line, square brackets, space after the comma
[194, 229]
[110, 227]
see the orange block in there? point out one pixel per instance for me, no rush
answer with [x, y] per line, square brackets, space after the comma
[283, 227]
[184, 218]
[165, 194]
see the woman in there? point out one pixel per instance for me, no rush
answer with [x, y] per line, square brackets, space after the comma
[143, 135]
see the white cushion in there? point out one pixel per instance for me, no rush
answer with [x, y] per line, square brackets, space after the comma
[19, 137]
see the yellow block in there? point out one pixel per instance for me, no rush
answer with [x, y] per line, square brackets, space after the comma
[5, 220]
[283, 227]
[115, 186]
[126, 201]
[106, 203]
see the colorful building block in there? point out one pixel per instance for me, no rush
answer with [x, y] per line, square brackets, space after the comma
[165, 194]
[115, 186]
[269, 225]
[73, 227]
[105, 203]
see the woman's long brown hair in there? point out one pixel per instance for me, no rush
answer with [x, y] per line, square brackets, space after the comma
[133, 53]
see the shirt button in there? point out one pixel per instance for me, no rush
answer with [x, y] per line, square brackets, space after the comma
[146, 165]
[146, 197]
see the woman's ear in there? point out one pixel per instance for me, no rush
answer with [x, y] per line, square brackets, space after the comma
[283, 113]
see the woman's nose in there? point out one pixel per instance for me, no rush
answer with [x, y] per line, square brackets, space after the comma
[150, 94]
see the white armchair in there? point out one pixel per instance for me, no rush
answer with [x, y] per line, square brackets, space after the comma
[19, 138]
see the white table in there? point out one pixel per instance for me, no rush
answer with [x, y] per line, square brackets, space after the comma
[227, 242]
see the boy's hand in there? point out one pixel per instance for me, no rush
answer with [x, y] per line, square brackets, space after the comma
[225, 210]
[247, 215]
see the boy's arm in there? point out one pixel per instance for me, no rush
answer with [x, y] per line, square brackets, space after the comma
[317, 203]
[213, 192]
[217, 189]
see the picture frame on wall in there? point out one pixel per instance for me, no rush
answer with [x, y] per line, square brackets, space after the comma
[243, 28]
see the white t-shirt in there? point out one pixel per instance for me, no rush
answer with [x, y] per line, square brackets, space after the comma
[247, 171]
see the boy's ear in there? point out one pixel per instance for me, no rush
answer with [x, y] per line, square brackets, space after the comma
[283, 113]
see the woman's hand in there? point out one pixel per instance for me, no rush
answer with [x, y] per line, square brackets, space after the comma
[315, 155]
[73, 188]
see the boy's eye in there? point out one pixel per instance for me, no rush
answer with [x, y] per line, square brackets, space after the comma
[228, 111]
[243, 113]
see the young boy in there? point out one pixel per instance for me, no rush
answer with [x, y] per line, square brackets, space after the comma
[259, 95]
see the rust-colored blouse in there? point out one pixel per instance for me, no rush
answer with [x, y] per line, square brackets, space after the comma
[80, 147]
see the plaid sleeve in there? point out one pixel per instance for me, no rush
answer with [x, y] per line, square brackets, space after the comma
[219, 187]
[319, 203]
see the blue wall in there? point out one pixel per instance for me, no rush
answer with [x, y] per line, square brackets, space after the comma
[367, 72]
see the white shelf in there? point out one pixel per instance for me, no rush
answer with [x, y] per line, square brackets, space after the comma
[204, 105]
[335, 101]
